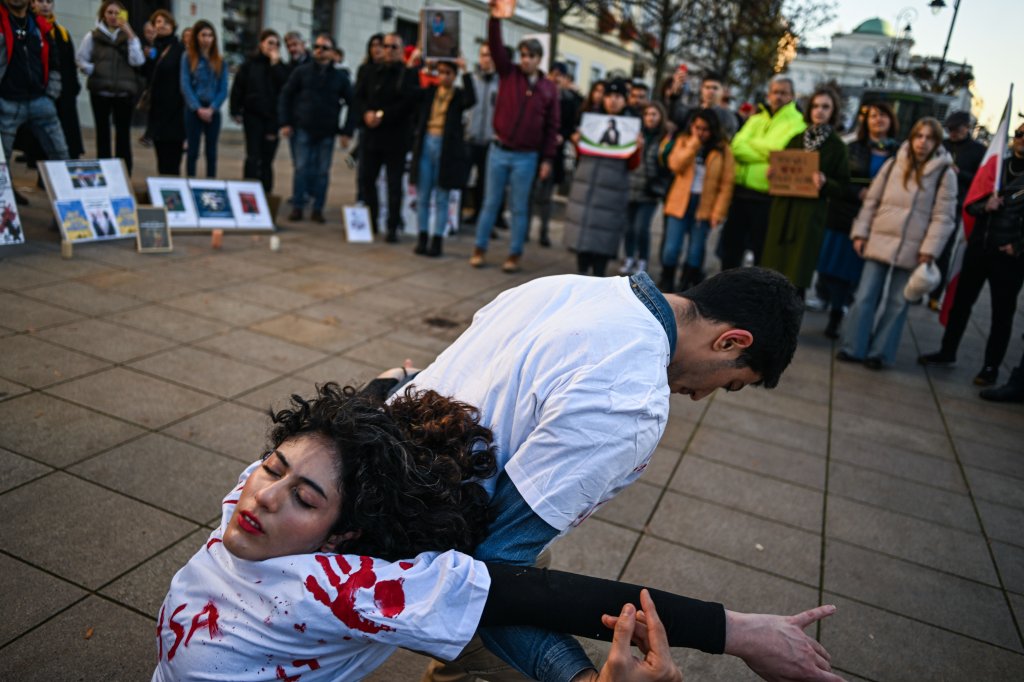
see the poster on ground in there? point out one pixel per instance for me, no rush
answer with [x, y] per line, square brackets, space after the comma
[249, 205]
[10, 222]
[610, 137]
[91, 199]
[357, 224]
[154, 233]
[173, 194]
[212, 203]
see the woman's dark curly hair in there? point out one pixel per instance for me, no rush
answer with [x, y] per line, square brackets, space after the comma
[408, 471]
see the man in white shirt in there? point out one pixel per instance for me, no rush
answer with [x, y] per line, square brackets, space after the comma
[573, 376]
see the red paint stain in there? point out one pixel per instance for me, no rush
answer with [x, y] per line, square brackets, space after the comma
[282, 675]
[230, 501]
[301, 627]
[389, 597]
[405, 565]
[312, 663]
[343, 605]
[210, 612]
[212, 542]
[177, 629]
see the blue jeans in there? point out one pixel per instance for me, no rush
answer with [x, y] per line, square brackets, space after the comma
[676, 229]
[516, 537]
[312, 169]
[195, 129]
[41, 115]
[637, 240]
[429, 170]
[516, 169]
[861, 337]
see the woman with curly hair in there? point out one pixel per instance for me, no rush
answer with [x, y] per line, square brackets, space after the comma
[330, 552]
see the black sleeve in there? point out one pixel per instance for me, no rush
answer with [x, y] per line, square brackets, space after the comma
[378, 389]
[348, 127]
[469, 92]
[236, 100]
[573, 604]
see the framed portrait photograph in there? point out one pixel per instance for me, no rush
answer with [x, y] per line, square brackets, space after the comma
[357, 224]
[91, 198]
[611, 137]
[213, 206]
[154, 235]
[439, 33]
[174, 195]
[249, 205]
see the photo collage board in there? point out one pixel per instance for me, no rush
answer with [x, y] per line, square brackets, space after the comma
[194, 204]
[10, 221]
[92, 199]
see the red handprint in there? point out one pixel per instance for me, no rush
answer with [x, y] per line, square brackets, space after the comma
[387, 594]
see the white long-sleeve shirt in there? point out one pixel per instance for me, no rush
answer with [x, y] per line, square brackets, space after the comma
[84, 55]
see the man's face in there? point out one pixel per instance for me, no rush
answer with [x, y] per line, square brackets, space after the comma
[296, 48]
[393, 49]
[711, 93]
[638, 97]
[17, 5]
[322, 51]
[529, 63]
[446, 74]
[779, 95]
[486, 63]
[698, 370]
[1018, 142]
[957, 133]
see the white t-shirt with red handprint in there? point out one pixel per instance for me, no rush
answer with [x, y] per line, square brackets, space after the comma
[311, 616]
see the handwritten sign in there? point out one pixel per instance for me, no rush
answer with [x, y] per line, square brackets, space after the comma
[793, 173]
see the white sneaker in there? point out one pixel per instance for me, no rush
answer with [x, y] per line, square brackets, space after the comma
[627, 266]
[641, 266]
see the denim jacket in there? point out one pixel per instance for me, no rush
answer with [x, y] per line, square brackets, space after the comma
[203, 87]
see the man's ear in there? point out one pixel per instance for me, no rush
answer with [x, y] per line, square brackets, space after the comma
[733, 340]
[335, 539]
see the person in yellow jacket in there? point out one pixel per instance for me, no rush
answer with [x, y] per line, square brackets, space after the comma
[767, 131]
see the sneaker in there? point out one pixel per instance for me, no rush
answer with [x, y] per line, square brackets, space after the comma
[874, 363]
[641, 266]
[627, 266]
[477, 259]
[815, 304]
[511, 265]
[938, 359]
[987, 376]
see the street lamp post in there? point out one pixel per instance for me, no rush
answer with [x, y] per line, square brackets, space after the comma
[937, 6]
[906, 15]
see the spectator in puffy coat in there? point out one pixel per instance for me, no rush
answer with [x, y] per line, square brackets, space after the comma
[254, 103]
[599, 197]
[309, 109]
[905, 220]
[648, 184]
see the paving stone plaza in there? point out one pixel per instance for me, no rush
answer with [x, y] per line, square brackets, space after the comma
[134, 389]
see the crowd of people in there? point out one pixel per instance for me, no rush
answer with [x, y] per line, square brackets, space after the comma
[883, 207]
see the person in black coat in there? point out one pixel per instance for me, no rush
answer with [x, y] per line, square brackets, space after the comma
[569, 102]
[386, 96]
[254, 104]
[308, 111]
[166, 122]
[440, 158]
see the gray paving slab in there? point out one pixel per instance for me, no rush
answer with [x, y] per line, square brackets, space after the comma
[982, 456]
[135, 397]
[761, 458]
[27, 314]
[221, 308]
[597, 548]
[57, 432]
[325, 335]
[262, 350]
[663, 463]
[82, 298]
[893, 433]
[28, 359]
[936, 471]
[1010, 560]
[993, 487]
[91, 640]
[277, 394]
[1002, 522]
[770, 428]
[269, 295]
[16, 470]
[45, 519]
[228, 428]
[383, 352]
[632, 507]
[144, 588]
[30, 597]
[105, 340]
[205, 371]
[168, 322]
[9, 389]
[797, 409]
[867, 641]
[166, 473]
[16, 275]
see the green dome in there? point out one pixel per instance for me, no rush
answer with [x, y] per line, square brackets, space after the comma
[876, 26]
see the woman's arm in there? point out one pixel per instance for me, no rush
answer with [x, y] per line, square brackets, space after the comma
[222, 88]
[185, 79]
[862, 224]
[84, 55]
[683, 154]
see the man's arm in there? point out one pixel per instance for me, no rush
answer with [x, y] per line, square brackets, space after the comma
[502, 64]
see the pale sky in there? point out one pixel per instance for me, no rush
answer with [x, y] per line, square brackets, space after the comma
[988, 35]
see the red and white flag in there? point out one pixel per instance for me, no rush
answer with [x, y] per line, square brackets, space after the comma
[987, 180]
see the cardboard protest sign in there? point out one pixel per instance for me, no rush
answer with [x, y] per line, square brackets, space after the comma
[793, 172]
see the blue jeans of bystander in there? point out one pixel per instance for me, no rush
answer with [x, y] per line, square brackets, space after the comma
[516, 169]
[430, 168]
[312, 169]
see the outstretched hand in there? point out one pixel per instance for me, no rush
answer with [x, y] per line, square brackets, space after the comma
[651, 639]
[777, 648]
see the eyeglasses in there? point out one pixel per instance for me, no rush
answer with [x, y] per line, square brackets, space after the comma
[392, 46]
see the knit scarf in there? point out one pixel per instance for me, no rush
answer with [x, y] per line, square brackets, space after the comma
[57, 29]
[815, 136]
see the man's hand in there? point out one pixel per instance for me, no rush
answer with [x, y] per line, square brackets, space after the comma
[777, 648]
[345, 141]
[858, 245]
[286, 131]
[657, 664]
[678, 80]
[545, 170]
[819, 180]
[925, 258]
[994, 203]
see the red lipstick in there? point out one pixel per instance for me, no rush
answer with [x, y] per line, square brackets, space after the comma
[248, 522]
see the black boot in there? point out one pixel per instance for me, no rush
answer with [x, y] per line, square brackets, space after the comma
[435, 246]
[392, 236]
[421, 244]
[834, 318]
[1011, 392]
[667, 283]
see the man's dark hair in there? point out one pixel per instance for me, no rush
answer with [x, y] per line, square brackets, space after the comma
[327, 36]
[713, 76]
[532, 46]
[762, 302]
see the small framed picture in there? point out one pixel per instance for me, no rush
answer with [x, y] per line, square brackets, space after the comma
[154, 235]
[357, 224]
[439, 33]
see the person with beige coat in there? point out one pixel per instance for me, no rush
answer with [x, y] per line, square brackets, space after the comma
[905, 220]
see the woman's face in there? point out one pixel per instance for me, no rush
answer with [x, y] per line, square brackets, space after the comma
[110, 15]
[163, 27]
[269, 45]
[446, 75]
[614, 104]
[821, 110]
[597, 95]
[923, 143]
[879, 123]
[376, 50]
[288, 505]
[652, 117]
[42, 7]
[701, 129]
[205, 39]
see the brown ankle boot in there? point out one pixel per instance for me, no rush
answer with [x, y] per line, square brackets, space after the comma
[477, 259]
